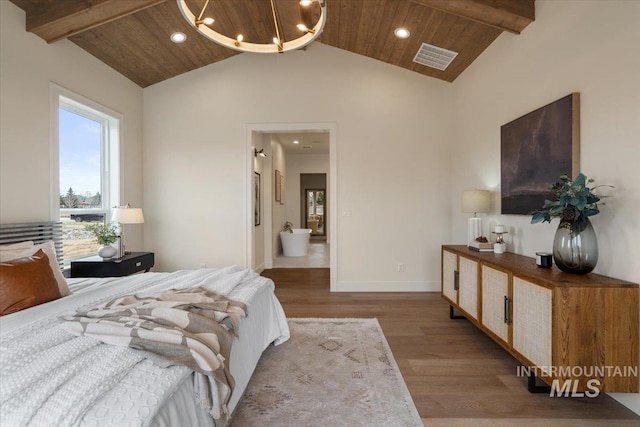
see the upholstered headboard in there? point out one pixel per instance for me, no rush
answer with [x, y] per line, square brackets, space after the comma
[38, 232]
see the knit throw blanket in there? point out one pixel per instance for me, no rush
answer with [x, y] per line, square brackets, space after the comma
[192, 327]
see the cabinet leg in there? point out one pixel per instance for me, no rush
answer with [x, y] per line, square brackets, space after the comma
[533, 388]
[453, 316]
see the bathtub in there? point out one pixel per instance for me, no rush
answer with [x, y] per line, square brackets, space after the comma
[296, 243]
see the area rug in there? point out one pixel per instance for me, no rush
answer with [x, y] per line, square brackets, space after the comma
[332, 372]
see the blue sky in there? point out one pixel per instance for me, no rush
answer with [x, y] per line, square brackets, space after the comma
[79, 154]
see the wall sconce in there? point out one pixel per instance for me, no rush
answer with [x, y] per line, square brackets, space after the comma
[260, 153]
[476, 201]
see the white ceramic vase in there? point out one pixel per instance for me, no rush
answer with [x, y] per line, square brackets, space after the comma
[107, 251]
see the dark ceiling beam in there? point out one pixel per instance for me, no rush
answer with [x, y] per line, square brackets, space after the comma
[507, 15]
[67, 18]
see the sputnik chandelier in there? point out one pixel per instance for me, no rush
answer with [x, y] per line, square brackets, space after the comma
[206, 25]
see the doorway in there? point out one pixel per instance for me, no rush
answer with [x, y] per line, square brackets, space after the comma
[262, 240]
[314, 204]
[315, 212]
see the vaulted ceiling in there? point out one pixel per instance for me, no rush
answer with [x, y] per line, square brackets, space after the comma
[132, 36]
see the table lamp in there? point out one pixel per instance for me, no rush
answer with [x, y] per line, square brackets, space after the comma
[126, 215]
[476, 201]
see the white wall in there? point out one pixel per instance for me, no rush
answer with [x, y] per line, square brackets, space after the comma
[393, 132]
[573, 46]
[27, 65]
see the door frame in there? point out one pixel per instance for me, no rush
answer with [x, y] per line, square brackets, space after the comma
[267, 229]
[305, 214]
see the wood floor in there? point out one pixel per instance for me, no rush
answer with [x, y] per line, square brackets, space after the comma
[455, 374]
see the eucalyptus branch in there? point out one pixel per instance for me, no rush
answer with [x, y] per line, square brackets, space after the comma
[106, 234]
[575, 202]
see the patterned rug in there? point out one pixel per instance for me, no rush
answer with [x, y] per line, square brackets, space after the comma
[332, 372]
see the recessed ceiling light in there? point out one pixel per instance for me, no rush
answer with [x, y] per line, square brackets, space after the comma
[401, 33]
[178, 37]
[296, 142]
[208, 20]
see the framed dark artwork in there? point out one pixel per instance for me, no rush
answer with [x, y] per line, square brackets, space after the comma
[535, 150]
[278, 186]
[256, 199]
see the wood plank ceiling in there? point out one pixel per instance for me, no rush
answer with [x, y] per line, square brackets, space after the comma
[132, 36]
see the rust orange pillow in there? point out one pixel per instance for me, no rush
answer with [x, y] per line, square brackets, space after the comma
[25, 282]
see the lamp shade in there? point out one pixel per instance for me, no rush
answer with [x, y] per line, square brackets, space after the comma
[476, 201]
[127, 215]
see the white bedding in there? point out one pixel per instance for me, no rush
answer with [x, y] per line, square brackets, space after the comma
[149, 394]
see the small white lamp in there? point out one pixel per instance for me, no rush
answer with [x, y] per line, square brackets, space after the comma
[476, 201]
[126, 215]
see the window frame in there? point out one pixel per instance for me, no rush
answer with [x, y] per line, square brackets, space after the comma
[111, 161]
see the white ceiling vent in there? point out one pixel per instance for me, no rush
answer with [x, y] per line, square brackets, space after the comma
[434, 56]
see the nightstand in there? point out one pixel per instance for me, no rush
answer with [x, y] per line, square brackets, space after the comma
[95, 266]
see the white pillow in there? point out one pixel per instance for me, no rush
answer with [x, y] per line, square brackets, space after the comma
[49, 249]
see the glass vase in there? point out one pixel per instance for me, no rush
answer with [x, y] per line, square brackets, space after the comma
[575, 250]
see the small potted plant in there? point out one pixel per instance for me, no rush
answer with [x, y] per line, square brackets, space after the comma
[106, 234]
[575, 246]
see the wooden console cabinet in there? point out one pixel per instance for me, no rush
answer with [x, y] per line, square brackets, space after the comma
[568, 327]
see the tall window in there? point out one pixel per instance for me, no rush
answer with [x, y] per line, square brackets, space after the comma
[85, 167]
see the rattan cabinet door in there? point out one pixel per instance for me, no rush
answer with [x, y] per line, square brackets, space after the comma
[468, 288]
[495, 289]
[532, 305]
[449, 271]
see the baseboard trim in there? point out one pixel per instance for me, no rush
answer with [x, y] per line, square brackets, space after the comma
[629, 400]
[388, 287]
[259, 269]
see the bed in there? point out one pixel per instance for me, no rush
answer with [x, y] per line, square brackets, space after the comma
[40, 384]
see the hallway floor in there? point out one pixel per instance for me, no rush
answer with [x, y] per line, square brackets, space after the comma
[317, 257]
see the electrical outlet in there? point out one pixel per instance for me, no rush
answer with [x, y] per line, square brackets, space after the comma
[203, 265]
[400, 267]
[346, 212]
